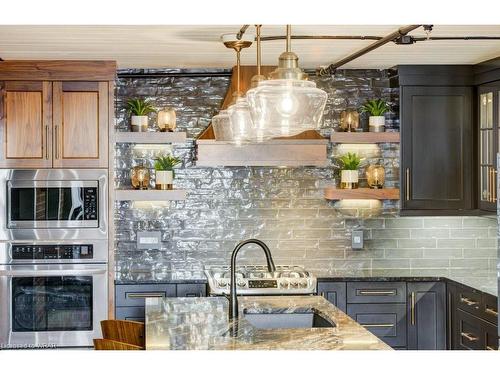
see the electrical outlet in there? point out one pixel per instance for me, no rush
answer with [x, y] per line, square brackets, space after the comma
[148, 240]
[357, 239]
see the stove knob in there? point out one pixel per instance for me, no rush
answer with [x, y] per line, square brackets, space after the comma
[284, 284]
[294, 284]
[241, 283]
[222, 283]
[303, 284]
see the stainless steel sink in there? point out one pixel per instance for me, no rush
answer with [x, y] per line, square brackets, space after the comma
[304, 318]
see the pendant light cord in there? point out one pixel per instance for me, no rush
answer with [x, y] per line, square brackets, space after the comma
[288, 38]
[257, 28]
[238, 71]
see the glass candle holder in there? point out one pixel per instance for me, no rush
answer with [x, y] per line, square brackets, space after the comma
[375, 176]
[349, 120]
[139, 177]
[167, 120]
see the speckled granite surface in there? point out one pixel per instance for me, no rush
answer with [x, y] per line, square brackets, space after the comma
[202, 323]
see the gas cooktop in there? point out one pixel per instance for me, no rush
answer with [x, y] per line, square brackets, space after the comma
[257, 280]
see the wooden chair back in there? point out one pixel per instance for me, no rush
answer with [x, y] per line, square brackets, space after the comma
[125, 331]
[103, 344]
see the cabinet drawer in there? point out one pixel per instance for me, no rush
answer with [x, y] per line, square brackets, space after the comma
[489, 309]
[376, 292]
[334, 292]
[490, 335]
[191, 290]
[133, 295]
[386, 321]
[468, 300]
[468, 332]
[136, 314]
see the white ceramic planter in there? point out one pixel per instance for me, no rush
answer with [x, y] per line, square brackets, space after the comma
[139, 123]
[349, 179]
[376, 123]
[164, 180]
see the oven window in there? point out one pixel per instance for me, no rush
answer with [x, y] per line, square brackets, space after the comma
[30, 204]
[56, 303]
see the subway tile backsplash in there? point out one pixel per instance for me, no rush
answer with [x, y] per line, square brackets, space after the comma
[282, 206]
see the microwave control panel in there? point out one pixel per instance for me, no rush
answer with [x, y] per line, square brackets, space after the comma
[48, 252]
[90, 203]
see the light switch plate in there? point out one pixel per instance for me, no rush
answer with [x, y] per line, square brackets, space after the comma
[357, 239]
[148, 240]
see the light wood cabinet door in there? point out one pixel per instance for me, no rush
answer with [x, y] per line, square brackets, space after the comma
[81, 113]
[25, 124]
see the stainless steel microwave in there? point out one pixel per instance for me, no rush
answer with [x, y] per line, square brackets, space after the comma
[53, 204]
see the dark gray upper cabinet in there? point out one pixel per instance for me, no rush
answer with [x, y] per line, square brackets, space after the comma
[426, 316]
[437, 143]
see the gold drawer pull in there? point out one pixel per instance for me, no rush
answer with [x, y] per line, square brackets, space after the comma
[145, 295]
[468, 336]
[491, 311]
[469, 302]
[490, 348]
[413, 303]
[377, 292]
[381, 325]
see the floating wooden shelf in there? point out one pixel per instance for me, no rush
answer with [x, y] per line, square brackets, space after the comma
[365, 137]
[150, 195]
[333, 193]
[150, 137]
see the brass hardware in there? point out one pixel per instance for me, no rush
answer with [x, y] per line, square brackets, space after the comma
[468, 336]
[56, 143]
[491, 311]
[494, 175]
[412, 312]
[377, 292]
[145, 295]
[490, 348]
[46, 142]
[407, 187]
[490, 184]
[323, 294]
[380, 325]
[469, 302]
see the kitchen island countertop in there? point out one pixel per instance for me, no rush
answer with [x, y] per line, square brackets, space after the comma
[202, 323]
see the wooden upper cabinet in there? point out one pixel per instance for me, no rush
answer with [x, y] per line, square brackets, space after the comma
[25, 124]
[55, 114]
[81, 112]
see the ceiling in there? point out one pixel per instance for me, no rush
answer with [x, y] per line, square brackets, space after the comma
[199, 46]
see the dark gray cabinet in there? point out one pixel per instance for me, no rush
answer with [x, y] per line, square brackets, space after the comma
[474, 319]
[130, 298]
[436, 149]
[426, 315]
[334, 292]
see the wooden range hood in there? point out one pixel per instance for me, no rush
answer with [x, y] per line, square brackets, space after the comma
[306, 149]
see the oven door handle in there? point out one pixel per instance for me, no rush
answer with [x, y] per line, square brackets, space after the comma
[63, 272]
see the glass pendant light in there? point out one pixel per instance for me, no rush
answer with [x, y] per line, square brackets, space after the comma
[239, 112]
[288, 104]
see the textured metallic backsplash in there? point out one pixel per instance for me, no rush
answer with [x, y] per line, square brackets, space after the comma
[282, 206]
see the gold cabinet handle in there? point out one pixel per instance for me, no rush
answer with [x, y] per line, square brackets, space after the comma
[412, 307]
[490, 348]
[490, 183]
[379, 325]
[494, 184]
[468, 301]
[46, 144]
[376, 292]
[323, 294]
[468, 336]
[145, 295]
[56, 143]
[407, 187]
[491, 311]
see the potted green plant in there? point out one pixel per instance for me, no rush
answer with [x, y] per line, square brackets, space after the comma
[164, 167]
[377, 109]
[139, 109]
[349, 176]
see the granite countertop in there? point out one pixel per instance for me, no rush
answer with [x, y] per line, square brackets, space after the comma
[483, 280]
[202, 323]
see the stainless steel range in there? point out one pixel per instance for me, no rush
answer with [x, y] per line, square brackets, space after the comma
[257, 280]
